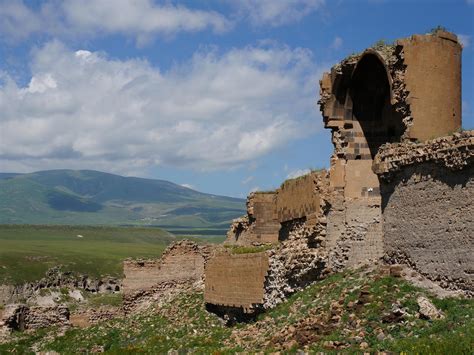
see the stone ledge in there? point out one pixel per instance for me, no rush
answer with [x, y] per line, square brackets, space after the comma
[454, 152]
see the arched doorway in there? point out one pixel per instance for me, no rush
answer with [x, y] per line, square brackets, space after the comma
[370, 93]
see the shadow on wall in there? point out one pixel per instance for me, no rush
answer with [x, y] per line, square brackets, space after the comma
[426, 174]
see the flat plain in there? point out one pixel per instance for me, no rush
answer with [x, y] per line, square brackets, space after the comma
[28, 251]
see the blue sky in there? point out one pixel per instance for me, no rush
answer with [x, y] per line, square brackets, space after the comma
[219, 95]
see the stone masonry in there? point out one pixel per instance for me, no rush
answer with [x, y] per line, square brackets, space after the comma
[399, 187]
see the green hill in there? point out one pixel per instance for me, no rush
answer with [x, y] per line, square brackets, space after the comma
[87, 197]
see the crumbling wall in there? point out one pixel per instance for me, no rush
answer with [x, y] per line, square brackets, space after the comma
[428, 211]
[22, 317]
[183, 260]
[385, 98]
[261, 223]
[261, 280]
[266, 211]
[236, 280]
[298, 198]
[389, 93]
[140, 275]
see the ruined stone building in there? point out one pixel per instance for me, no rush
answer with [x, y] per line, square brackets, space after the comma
[399, 188]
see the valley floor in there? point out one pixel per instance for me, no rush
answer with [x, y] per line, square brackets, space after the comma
[364, 310]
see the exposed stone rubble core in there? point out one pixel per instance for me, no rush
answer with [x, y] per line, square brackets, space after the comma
[454, 152]
[298, 261]
[23, 317]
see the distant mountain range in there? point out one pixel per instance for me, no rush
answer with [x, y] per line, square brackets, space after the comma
[93, 197]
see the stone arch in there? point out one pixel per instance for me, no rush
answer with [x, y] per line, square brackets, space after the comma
[370, 91]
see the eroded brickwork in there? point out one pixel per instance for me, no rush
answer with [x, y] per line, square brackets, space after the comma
[181, 261]
[236, 280]
[266, 211]
[298, 198]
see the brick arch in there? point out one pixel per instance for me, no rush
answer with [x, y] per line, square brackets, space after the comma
[370, 92]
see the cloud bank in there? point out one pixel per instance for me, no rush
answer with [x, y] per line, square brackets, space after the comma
[141, 20]
[217, 110]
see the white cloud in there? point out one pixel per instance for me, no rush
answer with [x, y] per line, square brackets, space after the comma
[465, 40]
[214, 111]
[297, 173]
[188, 186]
[140, 19]
[336, 43]
[276, 12]
[248, 180]
[17, 21]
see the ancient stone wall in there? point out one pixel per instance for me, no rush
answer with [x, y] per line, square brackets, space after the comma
[429, 223]
[183, 260]
[262, 280]
[388, 93]
[23, 317]
[266, 211]
[433, 80]
[377, 104]
[428, 209]
[140, 275]
[236, 280]
[298, 198]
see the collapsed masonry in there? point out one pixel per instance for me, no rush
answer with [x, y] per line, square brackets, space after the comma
[394, 191]
[180, 267]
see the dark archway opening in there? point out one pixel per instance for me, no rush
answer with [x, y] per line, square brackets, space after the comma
[370, 94]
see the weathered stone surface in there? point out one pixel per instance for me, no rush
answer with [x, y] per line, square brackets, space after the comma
[22, 317]
[183, 260]
[236, 280]
[266, 211]
[262, 280]
[453, 152]
[427, 309]
[429, 223]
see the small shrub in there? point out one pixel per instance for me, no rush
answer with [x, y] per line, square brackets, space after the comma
[437, 28]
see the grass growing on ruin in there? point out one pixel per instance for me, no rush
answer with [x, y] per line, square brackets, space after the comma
[108, 299]
[345, 313]
[238, 249]
[26, 251]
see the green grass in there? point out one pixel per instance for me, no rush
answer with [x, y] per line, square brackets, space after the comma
[27, 252]
[183, 324]
[111, 299]
[238, 249]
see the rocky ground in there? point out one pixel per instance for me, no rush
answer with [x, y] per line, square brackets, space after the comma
[368, 310]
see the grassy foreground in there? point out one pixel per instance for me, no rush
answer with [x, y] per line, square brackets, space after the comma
[346, 313]
[27, 251]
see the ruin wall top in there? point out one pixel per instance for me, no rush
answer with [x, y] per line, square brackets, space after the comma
[409, 90]
[454, 152]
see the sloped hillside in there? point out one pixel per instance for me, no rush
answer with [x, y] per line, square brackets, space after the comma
[93, 197]
[350, 312]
